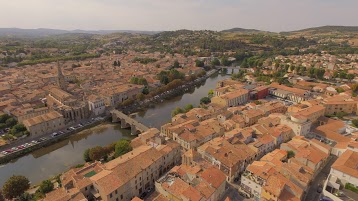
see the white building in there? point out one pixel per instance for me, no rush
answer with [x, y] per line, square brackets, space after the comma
[343, 172]
[96, 105]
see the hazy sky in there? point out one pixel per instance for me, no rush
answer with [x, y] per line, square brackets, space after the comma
[270, 15]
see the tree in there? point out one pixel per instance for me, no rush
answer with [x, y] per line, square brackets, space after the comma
[199, 63]
[46, 187]
[145, 90]
[224, 71]
[143, 81]
[355, 87]
[1, 196]
[225, 62]
[86, 155]
[350, 77]
[10, 122]
[341, 114]
[292, 68]
[18, 128]
[355, 122]
[257, 102]
[15, 186]
[343, 75]
[164, 80]
[244, 63]
[115, 63]
[211, 93]
[140, 96]
[176, 111]
[188, 107]
[123, 146]
[127, 102]
[97, 153]
[215, 62]
[134, 80]
[24, 197]
[4, 117]
[2, 126]
[205, 100]
[340, 90]
[290, 154]
[176, 64]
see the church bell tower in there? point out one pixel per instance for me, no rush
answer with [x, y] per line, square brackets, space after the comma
[61, 82]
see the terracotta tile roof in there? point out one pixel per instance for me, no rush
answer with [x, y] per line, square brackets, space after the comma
[347, 163]
[136, 199]
[177, 187]
[227, 199]
[160, 197]
[274, 185]
[205, 189]
[42, 118]
[261, 169]
[192, 194]
[287, 196]
[266, 139]
[290, 89]
[213, 176]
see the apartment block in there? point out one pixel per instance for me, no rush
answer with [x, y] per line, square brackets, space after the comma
[121, 179]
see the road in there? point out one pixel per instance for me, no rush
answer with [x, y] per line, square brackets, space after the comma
[319, 180]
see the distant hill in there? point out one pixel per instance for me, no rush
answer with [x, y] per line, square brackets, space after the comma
[325, 29]
[16, 32]
[242, 30]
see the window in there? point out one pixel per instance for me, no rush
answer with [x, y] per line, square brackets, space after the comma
[110, 195]
[117, 199]
[121, 196]
[116, 192]
[85, 188]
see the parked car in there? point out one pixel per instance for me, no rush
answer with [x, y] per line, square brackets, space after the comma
[15, 149]
[325, 199]
[55, 134]
[9, 151]
[21, 147]
[319, 189]
[40, 140]
[143, 195]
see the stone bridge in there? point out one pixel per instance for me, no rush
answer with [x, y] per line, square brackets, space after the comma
[128, 122]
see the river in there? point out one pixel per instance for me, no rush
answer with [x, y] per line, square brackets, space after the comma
[52, 160]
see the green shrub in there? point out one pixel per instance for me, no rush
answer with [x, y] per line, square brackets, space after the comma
[351, 187]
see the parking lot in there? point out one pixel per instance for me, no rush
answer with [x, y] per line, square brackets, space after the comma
[284, 101]
[26, 143]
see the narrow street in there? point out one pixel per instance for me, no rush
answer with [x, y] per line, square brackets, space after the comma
[312, 194]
